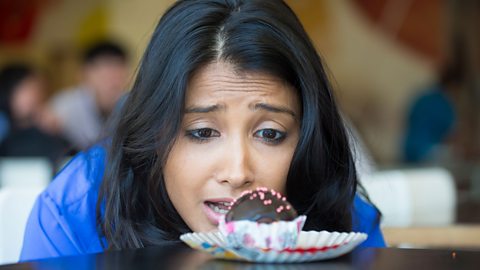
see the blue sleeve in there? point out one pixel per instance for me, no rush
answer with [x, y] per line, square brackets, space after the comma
[46, 235]
[63, 219]
[366, 219]
[375, 238]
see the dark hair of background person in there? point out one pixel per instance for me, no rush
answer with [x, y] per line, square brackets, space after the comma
[11, 76]
[134, 209]
[453, 73]
[104, 49]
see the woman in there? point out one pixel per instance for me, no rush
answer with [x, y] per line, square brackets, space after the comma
[230, 95]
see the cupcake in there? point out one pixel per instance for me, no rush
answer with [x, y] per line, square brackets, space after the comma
[261, 219]
[261, 226]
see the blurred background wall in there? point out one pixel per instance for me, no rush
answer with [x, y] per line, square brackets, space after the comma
[376, 75]
[380, 53]
[52, 33]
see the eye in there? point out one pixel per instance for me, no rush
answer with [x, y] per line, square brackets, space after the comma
[202, 134]
[269, 135]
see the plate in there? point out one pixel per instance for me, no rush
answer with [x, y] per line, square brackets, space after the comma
[311, 246]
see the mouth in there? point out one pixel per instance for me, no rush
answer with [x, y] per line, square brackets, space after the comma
[220, 208]
[215, 209]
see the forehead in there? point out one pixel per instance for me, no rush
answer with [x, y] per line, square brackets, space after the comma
[221, 80]
[33, 81]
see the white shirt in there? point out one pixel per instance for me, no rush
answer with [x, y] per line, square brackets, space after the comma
[81, 121]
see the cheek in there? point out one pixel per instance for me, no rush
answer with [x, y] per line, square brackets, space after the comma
[184, 174]
[273, 168]
[187, 173]
[175, 177]
[184, 164]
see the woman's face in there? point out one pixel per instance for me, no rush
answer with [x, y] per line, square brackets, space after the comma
[239, 132]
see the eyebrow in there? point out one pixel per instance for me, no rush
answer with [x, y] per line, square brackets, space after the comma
[272, 108]
[206, 109]
[253, 107]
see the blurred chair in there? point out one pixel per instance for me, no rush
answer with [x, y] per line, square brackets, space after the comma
[25, 172]
[15, 206]
[413, 197]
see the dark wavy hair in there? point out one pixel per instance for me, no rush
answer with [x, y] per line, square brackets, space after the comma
[134, 209]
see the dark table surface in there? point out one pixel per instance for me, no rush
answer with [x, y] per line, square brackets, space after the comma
[182, 257]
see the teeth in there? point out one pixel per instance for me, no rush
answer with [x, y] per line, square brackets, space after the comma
[219, 210]
[227, 204]
[220, 207]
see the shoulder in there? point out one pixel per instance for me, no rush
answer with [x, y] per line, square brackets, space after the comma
[364, 210]
[366, 219]
[79, 178]
[69, 94]
[71, 98]
[63, 219]
[434, 96]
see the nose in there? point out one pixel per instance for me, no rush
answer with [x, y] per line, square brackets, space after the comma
[236, 165]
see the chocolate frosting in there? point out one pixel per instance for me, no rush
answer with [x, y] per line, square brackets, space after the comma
[261, 205]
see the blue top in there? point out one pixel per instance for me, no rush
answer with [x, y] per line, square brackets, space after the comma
[63, 222]
[431, 120]
[4, 126]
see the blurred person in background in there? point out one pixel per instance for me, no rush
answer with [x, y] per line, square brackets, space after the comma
[3, 126]
[81, 112]
[27, 128]
[432, 118]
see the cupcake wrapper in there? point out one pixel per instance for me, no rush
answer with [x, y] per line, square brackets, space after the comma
[311, 246]
[244, 234]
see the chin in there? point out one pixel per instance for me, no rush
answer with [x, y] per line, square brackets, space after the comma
[205, 228]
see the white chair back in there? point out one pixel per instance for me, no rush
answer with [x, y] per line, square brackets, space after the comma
[15, 207]
[413, 197]
[25, 172]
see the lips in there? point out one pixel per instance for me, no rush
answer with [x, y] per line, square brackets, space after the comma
[220, 207]
[215, 209]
